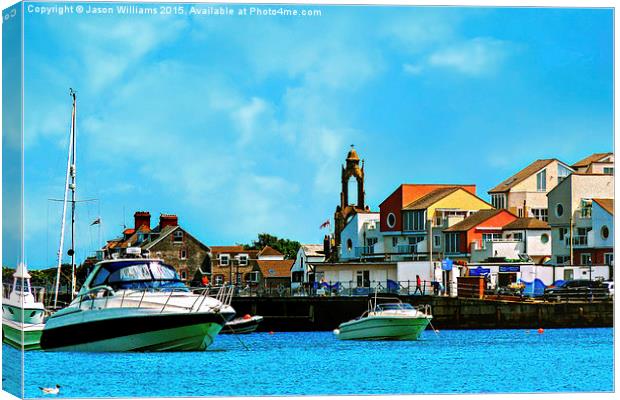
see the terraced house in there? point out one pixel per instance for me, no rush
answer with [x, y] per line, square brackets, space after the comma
[168, 241]
[578, 222]
[597, 163]
[525, 193]
[413, 217]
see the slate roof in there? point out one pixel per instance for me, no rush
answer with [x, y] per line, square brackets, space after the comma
[313, 250]
[606, 204]
[522, 175]
[527, 223]
[473, 220]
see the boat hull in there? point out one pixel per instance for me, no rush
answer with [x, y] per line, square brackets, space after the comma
[149, 332]
[240, 325]
[383, 328]
[22, 336]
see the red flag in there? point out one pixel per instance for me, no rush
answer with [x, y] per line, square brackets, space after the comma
[325, 224]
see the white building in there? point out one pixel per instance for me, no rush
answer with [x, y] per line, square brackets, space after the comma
[570, 217]
[302, 267]
[361, 237]
[522, 239]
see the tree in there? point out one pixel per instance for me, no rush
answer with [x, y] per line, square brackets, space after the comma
[285, 246]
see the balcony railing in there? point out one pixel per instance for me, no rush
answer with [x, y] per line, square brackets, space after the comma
[364, 251]
[580, 240]
[406, 248]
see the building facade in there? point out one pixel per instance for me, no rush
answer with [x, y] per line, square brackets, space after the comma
[570, 215]
[302, 269]
[476, 236]
[413, 217]
[361, 237]
[167, 241]
[525, 193]
[597, 163]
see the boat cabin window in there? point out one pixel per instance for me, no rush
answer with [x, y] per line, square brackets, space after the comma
[395, 306]
[21, 286]
[138, 275]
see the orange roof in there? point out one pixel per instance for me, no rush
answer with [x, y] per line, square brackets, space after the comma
[269, 251]
[232, 250]
[275, 268]
[606, 204]
[431, 198]
[522, 175]
[410, 192]
[527, 223]
[474, 220]
[223, 249]
[590, 159]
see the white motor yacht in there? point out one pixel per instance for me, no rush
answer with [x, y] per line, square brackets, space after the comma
[22, 316]
[393, 320]
[137, 305]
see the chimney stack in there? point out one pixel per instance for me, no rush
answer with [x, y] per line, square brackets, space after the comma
[327, 246]
[142, 218]
[168, 220]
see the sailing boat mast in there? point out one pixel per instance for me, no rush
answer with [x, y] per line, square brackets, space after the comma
[72, 187]
[70, 176]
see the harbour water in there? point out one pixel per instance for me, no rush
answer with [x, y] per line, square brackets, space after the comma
[315, 363]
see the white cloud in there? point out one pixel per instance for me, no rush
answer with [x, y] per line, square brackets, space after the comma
[252, 119]
[412, 69]
[473, 57]
[126, 44]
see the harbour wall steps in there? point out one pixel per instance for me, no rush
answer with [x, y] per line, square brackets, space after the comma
[326, 313]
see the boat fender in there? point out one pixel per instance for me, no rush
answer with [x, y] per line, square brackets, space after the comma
[336, 332]
[247, 316]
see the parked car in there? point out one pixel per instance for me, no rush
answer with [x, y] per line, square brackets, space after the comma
[610, 287]
[577, 289]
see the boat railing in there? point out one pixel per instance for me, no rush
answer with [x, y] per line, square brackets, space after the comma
[129, 297]
[424, 309]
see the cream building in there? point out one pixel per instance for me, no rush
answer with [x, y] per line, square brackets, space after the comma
[525, 193]
[597, 163]
[570, 215]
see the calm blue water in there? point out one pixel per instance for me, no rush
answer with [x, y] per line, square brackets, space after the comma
[316, 363]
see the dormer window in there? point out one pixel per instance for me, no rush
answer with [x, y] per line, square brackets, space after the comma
[224, 260]
[243, 259]
[178, 236]
[541, 181]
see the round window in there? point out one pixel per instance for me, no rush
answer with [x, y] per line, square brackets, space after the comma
[604, 232]
[559, 210]
[349, 244]
[391, 220]
[544, 238]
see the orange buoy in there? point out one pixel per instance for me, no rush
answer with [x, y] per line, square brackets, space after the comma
[271, 332]
[247, 316]
[541, 330]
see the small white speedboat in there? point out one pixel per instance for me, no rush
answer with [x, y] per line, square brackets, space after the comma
[393, 320]
[22, 316]
[246, 324]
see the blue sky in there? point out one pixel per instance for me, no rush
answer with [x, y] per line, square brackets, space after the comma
[239, 124]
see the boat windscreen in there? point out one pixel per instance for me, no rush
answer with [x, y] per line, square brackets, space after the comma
[138, 275]
[394, 306]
